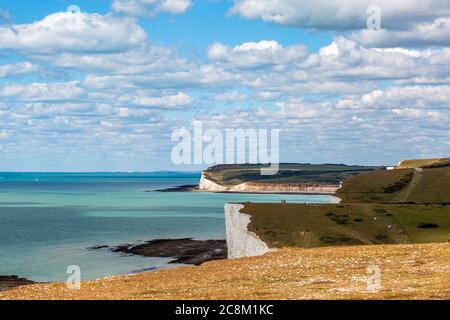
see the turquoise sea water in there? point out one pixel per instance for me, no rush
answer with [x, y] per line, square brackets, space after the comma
[47, 220]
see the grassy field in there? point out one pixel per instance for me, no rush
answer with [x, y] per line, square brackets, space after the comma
[288, 173]
[419, 186]
[382, 206]
[313, 225]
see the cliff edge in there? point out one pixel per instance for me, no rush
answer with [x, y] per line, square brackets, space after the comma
[240, 241]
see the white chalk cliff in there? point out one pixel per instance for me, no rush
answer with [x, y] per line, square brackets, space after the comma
[240, 241]
[307, 188]
[208, 185]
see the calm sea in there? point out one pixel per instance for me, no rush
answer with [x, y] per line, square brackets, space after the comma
[47, 220]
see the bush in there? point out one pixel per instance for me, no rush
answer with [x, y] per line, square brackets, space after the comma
[399, 185]
[427, 225]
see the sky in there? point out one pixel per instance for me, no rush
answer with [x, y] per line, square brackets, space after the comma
[100, 85]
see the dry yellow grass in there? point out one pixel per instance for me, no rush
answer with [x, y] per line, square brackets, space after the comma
[407, 272]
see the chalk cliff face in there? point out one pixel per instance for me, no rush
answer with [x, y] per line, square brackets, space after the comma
[285, 188]
[208, 185]
[240, 241]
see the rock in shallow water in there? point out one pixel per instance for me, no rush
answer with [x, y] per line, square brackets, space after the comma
[9, 282]
[187, 250]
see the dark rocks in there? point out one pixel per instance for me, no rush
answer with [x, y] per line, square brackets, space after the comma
[184, 188]
[9, 282]
[98, 247]
[187, 250]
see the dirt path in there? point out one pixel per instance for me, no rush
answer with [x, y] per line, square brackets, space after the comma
[415, 181]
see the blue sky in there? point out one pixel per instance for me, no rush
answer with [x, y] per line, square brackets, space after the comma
[206, 22]
[104, 89]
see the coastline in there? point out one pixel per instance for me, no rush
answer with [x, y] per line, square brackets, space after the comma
[206, 184]
[184, 251]
[195, 188]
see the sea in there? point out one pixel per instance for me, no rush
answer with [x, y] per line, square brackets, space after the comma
[50, 221]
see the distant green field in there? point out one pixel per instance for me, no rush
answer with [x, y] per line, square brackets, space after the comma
[398, 186]
[288, 173]
[300, 225]
[418, 163]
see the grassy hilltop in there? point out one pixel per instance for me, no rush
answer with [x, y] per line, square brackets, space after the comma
[428, 183]
[231, 175]
[409, 205]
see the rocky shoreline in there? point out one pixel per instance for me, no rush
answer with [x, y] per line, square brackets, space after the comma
[186, 250]
[183, 251]
[9, 282]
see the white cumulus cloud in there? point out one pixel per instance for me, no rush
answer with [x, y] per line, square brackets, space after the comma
[257, 54]
[341, 14]
[73, 32]
[145, 100]
[435, 33]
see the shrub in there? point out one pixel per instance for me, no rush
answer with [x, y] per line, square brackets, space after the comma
[427, 225]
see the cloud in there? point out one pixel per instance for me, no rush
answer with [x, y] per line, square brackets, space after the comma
[341, 14]
[143, 99]
[194, 76]
[412, 97]
[347, 60]
[256, 54]
[267, 95]
[110, 94]
[409, 113]
[42, 91]
[436, 33]
[73, 32]
[21, 68]
[150, 7]
[413, 120]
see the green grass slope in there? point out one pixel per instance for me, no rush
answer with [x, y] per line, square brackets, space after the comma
[419, 186]
[288, 173]
[301, 225]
